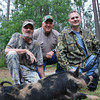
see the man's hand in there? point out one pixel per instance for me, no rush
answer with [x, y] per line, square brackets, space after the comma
[32, 57]
[72, 70]
[50, 54]
[91, 78]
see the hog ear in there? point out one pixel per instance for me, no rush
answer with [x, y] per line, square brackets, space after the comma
[76, 73]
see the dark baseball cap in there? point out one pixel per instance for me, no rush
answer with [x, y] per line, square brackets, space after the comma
[47, 17]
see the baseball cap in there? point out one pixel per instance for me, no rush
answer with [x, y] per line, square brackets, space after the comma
[47, 17]
[28, 22]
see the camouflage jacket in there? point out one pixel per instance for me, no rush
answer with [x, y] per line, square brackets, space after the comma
[69, 53]
[17, 42]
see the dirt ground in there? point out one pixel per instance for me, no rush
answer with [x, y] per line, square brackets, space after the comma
[5, 73]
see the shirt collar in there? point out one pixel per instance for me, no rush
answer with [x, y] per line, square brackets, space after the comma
[71, 31]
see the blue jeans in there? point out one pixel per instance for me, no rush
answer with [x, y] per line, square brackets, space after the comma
[51, 61]
[90, 66]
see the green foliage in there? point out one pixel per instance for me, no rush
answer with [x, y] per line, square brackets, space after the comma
[2, 60]
[60, 11]
[78, 2]
[6, 31]
[35, 10]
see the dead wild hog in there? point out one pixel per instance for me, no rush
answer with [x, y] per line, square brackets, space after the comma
[62, 86]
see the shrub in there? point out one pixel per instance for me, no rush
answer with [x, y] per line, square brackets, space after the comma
[2, 60]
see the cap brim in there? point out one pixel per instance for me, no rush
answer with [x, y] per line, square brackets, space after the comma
[29, 23]
[48, 19]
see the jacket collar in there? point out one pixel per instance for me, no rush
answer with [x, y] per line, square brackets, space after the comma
[71, 31]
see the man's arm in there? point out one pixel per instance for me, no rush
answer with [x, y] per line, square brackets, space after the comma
[95, 42]
[21, 51]
[61, 52]
[53, 51]
[41, 71]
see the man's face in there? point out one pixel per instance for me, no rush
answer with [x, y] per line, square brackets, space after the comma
[74, 19]
[27, 31]
[47, 26]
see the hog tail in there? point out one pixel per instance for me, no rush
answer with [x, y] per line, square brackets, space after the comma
[2, 83]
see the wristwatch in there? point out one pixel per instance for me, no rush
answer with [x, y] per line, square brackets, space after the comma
[53, 51]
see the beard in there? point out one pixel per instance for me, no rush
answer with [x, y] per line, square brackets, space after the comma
[27, 37]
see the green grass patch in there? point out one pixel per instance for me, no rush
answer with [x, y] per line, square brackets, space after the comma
[7, 79]
[3, 68]
[51, 67]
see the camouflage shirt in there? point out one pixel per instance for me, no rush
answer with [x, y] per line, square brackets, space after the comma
[17, 42]
[69, 53]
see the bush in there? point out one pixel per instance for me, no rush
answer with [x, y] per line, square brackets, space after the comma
[2, 60]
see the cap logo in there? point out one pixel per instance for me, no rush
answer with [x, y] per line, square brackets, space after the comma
[47, 17]
[50, 17]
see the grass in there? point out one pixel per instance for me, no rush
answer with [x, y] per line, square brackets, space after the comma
[95, 93]
[50, 68]
[6, 79]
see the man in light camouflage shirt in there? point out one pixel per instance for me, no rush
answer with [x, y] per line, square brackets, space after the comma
[76, 47]
[22, 53]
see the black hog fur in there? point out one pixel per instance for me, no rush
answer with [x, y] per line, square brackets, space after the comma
[62, 86]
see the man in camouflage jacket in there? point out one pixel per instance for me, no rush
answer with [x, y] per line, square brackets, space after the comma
[76, 47]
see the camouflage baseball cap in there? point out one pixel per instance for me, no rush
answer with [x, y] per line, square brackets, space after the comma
[47, 17]
[28, 22]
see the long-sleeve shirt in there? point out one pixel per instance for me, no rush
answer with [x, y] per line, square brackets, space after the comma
[69, 53]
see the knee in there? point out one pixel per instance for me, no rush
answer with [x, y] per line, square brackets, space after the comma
[11, 54]
[97, 71]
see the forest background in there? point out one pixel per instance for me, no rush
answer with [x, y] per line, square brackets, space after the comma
[11, 19]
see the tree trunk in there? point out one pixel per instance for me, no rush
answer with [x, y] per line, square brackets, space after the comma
[8, 9]
[98, 9]
[96, 20]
